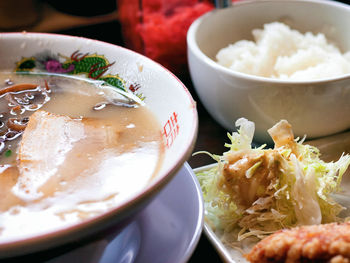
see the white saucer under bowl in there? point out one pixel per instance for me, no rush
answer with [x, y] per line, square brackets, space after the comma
[168, 230]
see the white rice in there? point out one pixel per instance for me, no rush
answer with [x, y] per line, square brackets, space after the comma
[281, 53]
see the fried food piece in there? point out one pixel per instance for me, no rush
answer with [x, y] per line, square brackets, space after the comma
[314, 243]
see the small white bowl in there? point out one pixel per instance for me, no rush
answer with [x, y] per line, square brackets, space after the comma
[164, 95]
[315, 108]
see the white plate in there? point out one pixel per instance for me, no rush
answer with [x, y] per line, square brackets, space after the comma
[230, 255]
[168, 230]
[226, 254]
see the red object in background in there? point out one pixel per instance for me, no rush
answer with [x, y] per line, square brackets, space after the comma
[157, 28]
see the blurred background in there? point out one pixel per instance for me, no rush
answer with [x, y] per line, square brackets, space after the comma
[155, 28]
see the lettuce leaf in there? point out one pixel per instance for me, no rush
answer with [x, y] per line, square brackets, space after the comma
[253, 191]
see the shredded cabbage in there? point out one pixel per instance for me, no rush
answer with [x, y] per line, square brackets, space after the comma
[256, 191]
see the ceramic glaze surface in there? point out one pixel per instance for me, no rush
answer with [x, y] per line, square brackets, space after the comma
[314, 108]
[164, 95]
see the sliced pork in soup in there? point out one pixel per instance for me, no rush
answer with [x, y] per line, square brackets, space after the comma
[69, 160]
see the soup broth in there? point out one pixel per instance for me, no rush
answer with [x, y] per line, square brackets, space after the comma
[69, 150]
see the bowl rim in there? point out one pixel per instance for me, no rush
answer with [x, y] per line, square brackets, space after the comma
[192, 45]
[66, 234]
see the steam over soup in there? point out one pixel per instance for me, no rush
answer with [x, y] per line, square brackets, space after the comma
[69, 151]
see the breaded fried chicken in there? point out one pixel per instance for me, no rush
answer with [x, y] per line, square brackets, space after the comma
[314, 243]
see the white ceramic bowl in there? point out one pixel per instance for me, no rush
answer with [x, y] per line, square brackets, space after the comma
[315, 108]
[164, 95]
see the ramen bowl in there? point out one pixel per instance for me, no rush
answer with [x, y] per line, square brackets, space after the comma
[115, 68]
[314, 108]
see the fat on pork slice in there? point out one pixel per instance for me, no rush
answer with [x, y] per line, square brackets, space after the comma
[56, 148]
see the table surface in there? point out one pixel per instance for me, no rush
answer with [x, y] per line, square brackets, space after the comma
[211, 136]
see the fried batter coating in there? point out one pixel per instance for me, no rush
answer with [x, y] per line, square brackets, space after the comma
[314, 243]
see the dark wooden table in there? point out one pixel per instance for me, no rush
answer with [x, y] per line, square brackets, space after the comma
[211, 136]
